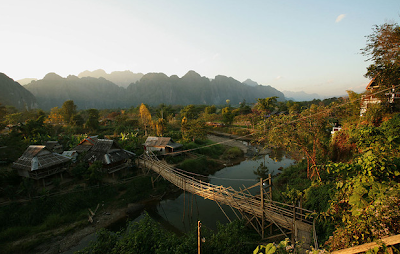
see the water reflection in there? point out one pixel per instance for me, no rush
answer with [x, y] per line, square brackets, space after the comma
[184, 211]
[277, 154]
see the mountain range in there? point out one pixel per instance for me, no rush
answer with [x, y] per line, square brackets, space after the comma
[301, 96]
[120, 78]
[123, 89]
[152, 89]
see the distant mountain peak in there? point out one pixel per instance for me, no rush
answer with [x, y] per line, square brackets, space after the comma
[301, 95]
[26, 81]
[191, 74]
[250, 82]
[52, 76]
[120, 78]
[13, 94]
[94, 74]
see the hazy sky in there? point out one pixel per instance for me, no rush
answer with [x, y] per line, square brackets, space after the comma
[297, 45]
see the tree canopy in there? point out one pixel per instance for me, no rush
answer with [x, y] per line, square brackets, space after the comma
[383, 49]
[68, 110]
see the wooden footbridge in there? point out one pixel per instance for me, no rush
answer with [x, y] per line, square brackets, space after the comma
[259, 210]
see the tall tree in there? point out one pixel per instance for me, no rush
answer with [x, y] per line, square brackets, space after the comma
[189, 112]
[55, 116]
[210, 109]
[145, 117]
[301, 134]
[227, 115]
[68, 110]
[383, 49]
[161, 125]
[92, 122]
[194, 129]
[267, 104]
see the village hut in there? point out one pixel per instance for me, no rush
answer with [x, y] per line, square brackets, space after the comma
[73, 155]
[85, 144]
[113, 157]
[370, 98]
[38, 162]
[163, 145]
[54, 146]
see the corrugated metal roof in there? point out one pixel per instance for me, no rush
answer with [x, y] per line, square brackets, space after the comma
[161, 142]
[38, 157]
[108, 152]
[86, 144]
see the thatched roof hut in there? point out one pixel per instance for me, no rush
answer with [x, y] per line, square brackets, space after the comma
[161, 144]
[85, 144]
[54, 146]
[39, 162]
[113, 157]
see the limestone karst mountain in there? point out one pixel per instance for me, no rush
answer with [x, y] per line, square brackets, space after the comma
[152, 89]
[26, 81]
[120, 78]
[156, 88]
[13, 94]
[301, 96]
[53, 90]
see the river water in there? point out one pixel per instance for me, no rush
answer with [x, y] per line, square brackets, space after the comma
[183, 212]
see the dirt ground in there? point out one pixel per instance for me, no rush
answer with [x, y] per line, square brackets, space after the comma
[62, 241]
[247, 149]
[67, 237]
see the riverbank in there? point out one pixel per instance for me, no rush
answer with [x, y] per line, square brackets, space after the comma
[243, 144]
[73, 237]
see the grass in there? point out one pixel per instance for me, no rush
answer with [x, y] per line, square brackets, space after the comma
[207, 148]
[32, 223]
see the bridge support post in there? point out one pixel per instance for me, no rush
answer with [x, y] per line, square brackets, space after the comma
[294, 229]
[270, 186]
[270, 197]
[262, 208]
[198, 237]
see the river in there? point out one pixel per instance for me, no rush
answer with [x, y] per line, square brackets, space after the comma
[180, 214]
[183, 212]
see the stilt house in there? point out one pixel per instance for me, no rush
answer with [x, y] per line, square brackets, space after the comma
[370, 97]
[38, 162]
[164, 145]
[113, 157]
[54, 146]
[86, 144]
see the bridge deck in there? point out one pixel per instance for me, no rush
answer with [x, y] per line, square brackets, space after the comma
[282, 215]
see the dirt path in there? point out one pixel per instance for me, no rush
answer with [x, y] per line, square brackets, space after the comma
[248, 149]
[62, 241]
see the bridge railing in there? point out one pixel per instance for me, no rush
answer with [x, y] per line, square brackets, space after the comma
[238, 199]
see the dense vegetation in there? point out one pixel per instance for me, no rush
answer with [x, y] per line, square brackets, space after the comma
[350, 178]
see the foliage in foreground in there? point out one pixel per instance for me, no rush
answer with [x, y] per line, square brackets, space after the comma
[147, 236]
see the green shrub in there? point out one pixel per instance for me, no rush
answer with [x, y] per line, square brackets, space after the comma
[13, 233]
[214, 151]
[175, 159]
[233, 153]
[198, 166]
[53, 221]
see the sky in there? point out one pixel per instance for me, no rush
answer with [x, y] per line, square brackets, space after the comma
[308, 45]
